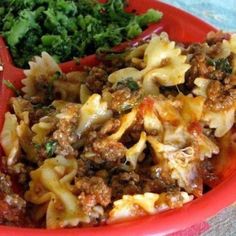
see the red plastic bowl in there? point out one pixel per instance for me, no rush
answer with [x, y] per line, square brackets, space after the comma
[182, 27]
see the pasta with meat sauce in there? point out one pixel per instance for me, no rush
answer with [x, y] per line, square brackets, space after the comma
[129, 137]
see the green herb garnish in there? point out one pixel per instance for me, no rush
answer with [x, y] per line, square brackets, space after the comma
[221, 64]
[43, 107]
[11, 86]
[37, 146]
[130, 83]
[56, 76]
[50, 147]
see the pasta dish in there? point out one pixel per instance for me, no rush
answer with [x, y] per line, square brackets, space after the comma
[132, 136]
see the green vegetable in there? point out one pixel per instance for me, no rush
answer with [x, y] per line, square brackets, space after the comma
[221, 64]
[67, 28]
[50, 147]
[20, 28]
[37, 146]
[130, 83]
[9, 85]
[149, 17]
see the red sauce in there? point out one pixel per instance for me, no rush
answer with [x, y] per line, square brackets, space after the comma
[195, 128]
[146, 106]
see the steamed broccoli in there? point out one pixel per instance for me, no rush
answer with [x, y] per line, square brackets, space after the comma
[67, 28]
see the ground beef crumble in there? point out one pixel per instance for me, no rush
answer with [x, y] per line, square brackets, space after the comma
[97, 78]
[93, 191]
[11, 204]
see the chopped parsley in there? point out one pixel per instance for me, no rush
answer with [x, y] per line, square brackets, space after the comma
[56, 76]
[221, 64]
[130, 83]
[50, 147]
[11, 86]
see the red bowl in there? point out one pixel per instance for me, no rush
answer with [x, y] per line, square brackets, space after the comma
[181, 27]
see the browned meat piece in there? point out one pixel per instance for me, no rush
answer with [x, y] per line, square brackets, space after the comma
[221, 96]
[208, 174]
[125, 183]
[100, 149]
[215, 37]
[123, 100]
[92, 191]
[12, 205]
[173, 199]
[199, 68]
[96, 79]
[109, 150]
[66, 132]
[110, 126]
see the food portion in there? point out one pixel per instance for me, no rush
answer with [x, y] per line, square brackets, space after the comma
[67, 29]
[132, 136]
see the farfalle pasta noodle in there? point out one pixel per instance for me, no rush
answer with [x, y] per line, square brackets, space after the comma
[126, 138]
[68, 89]
[126, 121]
[44, 66]
[9, 139]
[167, 69]
[94, 111]
[85, 93]
[26, 135]
[142, 204]
[201, 86]
[54, 179]
[221, 121]
[165, 66]
[133, 153]
[122, 74]
[41, 130]
[20, 107]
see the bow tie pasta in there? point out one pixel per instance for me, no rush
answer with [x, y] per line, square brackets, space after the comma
[137, 134]
[148, 203]
[164, 66]
[51, 184]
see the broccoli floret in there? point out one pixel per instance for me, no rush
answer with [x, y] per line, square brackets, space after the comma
[67, 28]
[21, 27]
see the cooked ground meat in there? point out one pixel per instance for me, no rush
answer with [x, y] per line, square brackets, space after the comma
[219, 97]
[5, 184]
[199, 68]
[110, 126]
[208, 174]
[105, 172]
[215, 37]
[123, 99]
[109, 150]
[125, 183]
[12, 205]
[65, 135]
[102, 150]
[97, 78]
[93, 191]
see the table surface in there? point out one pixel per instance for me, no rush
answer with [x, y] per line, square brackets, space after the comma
[221, 14]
